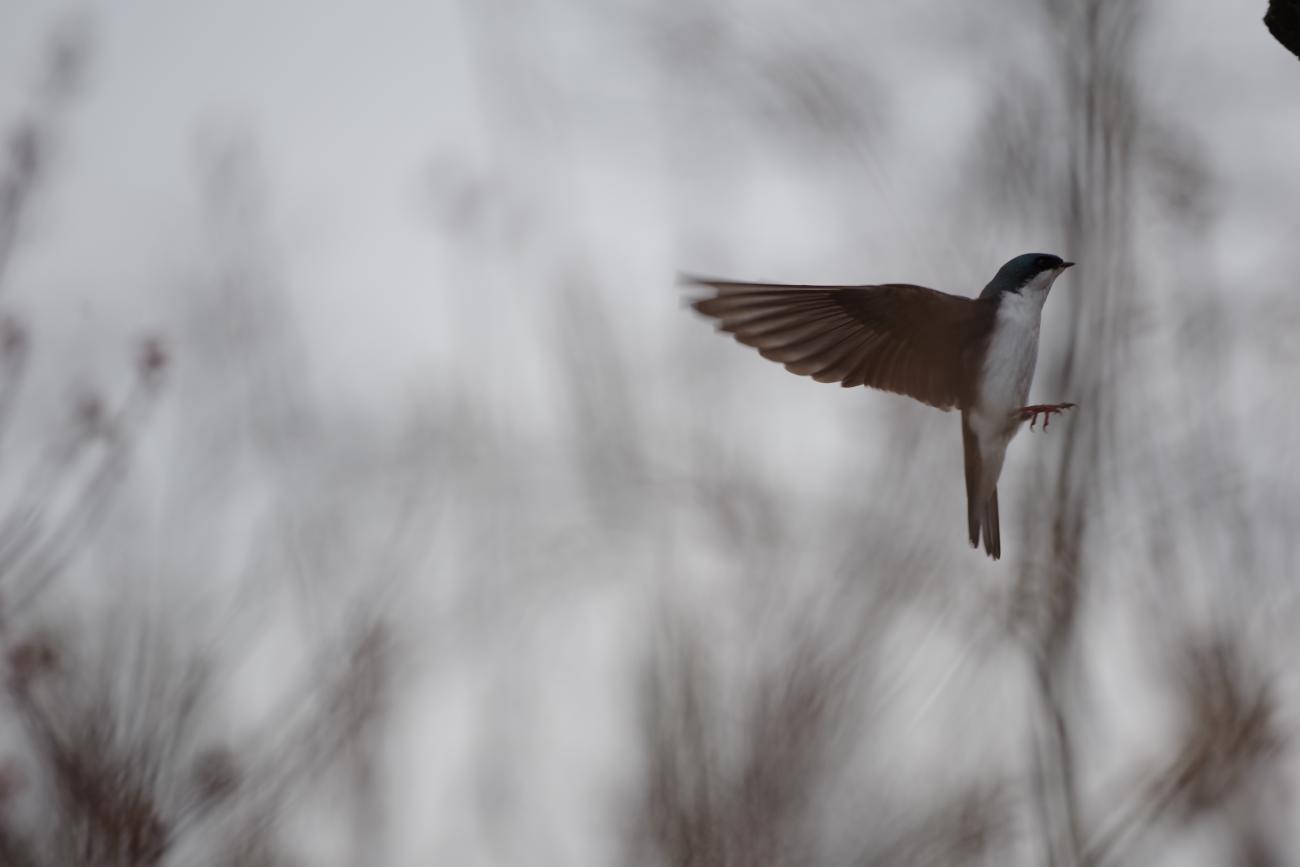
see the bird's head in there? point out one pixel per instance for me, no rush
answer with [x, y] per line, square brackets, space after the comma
[1028, 274]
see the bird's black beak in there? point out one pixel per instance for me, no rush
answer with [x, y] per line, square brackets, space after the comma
[1065, 265]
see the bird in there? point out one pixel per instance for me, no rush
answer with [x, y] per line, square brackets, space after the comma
[949, 351]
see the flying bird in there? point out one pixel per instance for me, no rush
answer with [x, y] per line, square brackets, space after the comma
[974, 354]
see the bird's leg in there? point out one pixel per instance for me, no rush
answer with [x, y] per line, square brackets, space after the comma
[1031, 413]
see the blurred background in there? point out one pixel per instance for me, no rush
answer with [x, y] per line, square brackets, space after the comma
[369, 496]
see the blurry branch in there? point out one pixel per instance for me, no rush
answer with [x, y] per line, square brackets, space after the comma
[1232, 727]
[31, 554]
[1114, 143]
[328, 720]
[242, 329]
[1176, 168]
[607, 430]
[971, 827]
[719, 797]
[333, 719]
[1283, 20]
[134, 775]
[680, 810]
[1230, 742]
[14, 351]
[31, 143]
[1099, 89]
[752, 765]
[107, 763]
[809, 95]
[35, 555]
[116, 758]
[1093, 98]
[793, 717]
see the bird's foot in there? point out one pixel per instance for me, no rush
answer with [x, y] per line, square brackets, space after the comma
[1031, 413]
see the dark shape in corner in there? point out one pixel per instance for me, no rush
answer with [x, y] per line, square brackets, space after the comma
[1283, 20]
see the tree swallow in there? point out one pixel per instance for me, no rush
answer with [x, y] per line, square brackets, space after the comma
[975, 354]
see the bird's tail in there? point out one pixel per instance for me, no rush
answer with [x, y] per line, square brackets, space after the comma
[973, 520]
[971, 460]
[981, 515]
[992, 533]
[985, 524]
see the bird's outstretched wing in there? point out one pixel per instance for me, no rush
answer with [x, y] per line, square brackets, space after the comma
[896, 337]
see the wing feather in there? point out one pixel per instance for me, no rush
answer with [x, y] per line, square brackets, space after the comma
[895, 336]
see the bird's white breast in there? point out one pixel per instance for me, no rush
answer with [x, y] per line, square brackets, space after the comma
[1008, 366]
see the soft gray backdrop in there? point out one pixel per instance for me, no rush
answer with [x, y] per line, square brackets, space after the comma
[445, 534]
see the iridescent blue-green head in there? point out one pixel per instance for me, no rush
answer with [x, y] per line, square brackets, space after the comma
[1028, 273]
